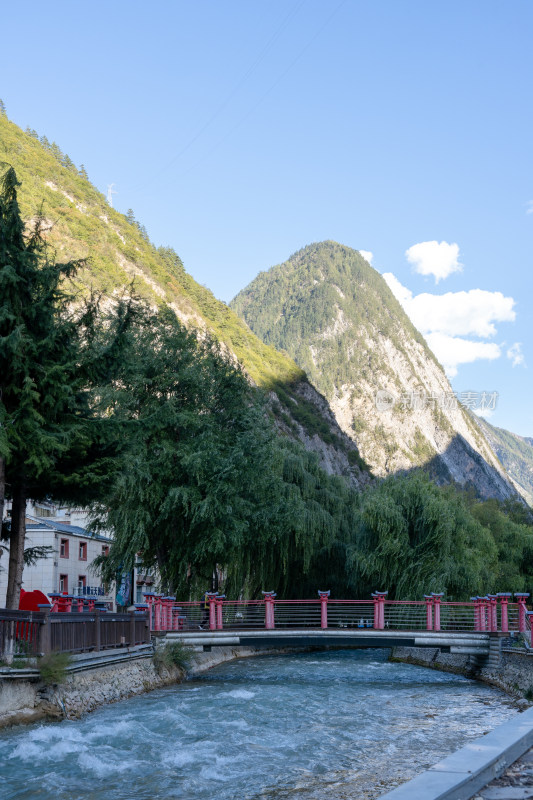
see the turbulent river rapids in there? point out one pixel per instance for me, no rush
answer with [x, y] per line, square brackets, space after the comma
[311, 726]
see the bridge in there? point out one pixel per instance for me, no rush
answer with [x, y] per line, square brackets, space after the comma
[462, 628]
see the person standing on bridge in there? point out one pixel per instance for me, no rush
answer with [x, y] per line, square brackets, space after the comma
[205, 608]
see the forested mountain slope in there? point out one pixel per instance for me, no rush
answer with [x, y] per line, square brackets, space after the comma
[516, 454]
[79, 223]
[335, 315]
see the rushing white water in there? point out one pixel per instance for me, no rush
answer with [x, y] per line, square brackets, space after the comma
[344, 724]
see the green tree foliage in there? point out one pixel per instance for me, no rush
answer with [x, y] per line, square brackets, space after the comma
[82, 172]
[511, 530]
[53, 437]
[206, 481]
[36, 362]
[57, 152]
[68, 163]
[415, 537]
[196, 469]
[3, 111]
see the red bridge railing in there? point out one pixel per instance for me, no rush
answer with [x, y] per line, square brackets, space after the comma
[492, 613]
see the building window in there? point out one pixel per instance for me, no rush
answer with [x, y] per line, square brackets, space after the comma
[63, 548]
[82, 583]
[63, 583]
[83, 551]
[105, 549]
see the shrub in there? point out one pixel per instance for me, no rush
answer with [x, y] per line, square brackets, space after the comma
[53, 668]
[172, 654]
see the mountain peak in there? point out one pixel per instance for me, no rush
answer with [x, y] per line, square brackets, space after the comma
[336, 316]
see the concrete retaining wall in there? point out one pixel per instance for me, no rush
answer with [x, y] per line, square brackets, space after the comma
[514, 674]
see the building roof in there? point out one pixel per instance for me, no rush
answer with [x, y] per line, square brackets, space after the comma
[40, 524]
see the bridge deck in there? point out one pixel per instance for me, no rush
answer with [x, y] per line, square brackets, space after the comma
[470, 643]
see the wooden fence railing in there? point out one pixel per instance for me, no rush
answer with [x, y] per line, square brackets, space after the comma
[31, 633]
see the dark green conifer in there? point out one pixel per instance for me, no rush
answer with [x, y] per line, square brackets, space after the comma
[36, 363]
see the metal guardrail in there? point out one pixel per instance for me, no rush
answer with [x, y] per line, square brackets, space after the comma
[488, 614]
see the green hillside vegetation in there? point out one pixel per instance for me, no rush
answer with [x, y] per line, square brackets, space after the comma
[293, 303]
[117, 249]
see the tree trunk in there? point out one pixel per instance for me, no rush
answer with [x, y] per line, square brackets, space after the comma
[2, 487]
[16, 546]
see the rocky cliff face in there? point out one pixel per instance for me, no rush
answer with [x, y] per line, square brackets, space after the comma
[515, 453]
[338, 319]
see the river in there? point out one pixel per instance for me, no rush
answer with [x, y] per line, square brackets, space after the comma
[311, 726]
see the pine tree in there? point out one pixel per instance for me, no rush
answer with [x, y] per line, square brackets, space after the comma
[37, 360]
[57, 152]
[45, 143]
[3, 111]
[130, 216]
[68, 163]
[83, 172]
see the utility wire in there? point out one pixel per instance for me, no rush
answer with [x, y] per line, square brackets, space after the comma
[260, 57]
[263, 96]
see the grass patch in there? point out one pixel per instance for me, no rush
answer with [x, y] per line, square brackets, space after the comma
[53, 668]
[173, 654]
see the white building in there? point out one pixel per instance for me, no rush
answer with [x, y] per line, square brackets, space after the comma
[68, 567]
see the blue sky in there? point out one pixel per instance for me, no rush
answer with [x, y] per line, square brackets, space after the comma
[240, 131]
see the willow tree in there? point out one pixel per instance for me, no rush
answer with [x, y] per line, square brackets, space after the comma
[198, 472]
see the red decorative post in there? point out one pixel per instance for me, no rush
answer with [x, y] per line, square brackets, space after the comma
[150, 601]
[483, 613]
[219, 600]
[436, 602]
[324, 608]
[379, 610]
[382, 598]
[54, 597]
[176, 618]
[65, 603]
[477, 626]
[166, 612]
[429, 611]
[504, 600]
[158, 621]
[212, 596]
[493, 613]
[269, 610]
[521, 598]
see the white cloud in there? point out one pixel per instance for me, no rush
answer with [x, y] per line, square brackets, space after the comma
[515, 354]
[454, 350]
[455, 313]
[445, 319]
[439, 259]
[367, 255]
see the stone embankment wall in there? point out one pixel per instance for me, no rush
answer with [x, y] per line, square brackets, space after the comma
[514, 674]
[29, 700]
